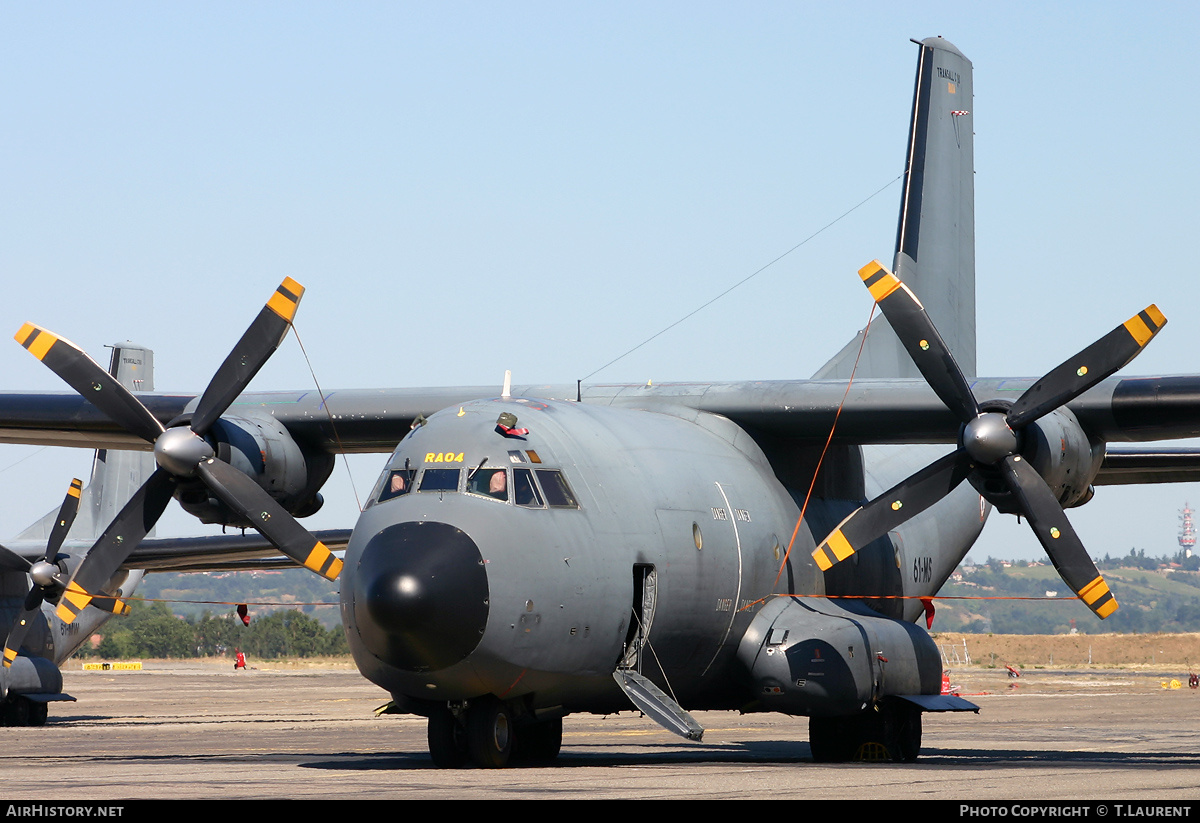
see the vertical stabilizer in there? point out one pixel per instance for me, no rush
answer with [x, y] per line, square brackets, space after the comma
[116, 475]
[935, 239]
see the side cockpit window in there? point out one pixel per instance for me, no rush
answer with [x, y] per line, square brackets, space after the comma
[525, 491]
[558, 493]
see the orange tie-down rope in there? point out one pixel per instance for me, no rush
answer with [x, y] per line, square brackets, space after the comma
[139, 599]
[925, 598]
[828, 440]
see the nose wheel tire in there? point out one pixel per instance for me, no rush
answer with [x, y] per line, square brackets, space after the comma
[489, 733]
[447, 740]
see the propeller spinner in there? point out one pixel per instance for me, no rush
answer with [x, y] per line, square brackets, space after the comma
[181, 450]
[44, 573]
[991, 438]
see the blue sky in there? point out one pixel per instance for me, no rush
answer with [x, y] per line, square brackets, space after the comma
[580, 175]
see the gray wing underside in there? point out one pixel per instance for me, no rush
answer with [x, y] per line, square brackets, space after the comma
[207, 553]
[233, 552]
[889, 410]
[1130, 465]
[867, 411]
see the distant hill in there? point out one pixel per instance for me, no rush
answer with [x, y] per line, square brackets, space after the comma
[265, 591]
[1155, 595]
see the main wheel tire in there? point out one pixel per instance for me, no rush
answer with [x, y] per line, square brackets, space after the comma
[447, 740]
[904, 734]
[16, 711]
[490, 733]
[829, 740]
[38, 712]
[538, 743]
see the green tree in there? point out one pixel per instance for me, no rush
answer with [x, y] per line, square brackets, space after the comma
[217, 635]
[292, 634]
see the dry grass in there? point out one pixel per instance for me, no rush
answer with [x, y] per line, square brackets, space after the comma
[1066, 650]
[1131, 651]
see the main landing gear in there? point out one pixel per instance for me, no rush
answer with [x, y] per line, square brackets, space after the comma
[487, 733]
[17, 710]
[891, 733]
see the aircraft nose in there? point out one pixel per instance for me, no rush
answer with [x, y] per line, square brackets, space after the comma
[423, 595]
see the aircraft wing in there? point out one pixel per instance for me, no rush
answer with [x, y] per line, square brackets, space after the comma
[1139, 409]
[208, 553]
[1149, 465]
[221, 552]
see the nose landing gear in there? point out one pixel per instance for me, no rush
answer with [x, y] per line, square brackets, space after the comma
[490, 734]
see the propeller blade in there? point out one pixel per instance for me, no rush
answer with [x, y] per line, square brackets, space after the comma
[257, 345]
[898, 504]
[66, 519]
[112, 605]
[132, 524]
[1076, 375]
[37, 593]
[921, 339]
[271, 520]
[1054, 531]
[16, 635]
[95, 384]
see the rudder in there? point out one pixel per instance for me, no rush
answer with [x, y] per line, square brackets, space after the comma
[935, 236]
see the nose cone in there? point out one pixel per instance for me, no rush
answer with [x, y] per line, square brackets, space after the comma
[422, 599]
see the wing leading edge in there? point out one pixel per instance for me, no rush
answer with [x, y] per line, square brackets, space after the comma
[875, 411]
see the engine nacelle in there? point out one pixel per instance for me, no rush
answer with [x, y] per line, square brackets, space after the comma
[817, 658]
[1057, 447]
[31, 675]
[263, 449]
[1064, 456]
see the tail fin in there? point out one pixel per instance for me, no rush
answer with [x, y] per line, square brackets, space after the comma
[116, 475]
[935, 239]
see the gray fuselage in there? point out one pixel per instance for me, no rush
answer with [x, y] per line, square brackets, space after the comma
[529, 593]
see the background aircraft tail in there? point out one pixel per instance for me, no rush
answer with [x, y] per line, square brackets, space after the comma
[935, 239]
[116, 475]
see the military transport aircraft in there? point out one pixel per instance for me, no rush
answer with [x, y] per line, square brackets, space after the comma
[758, 546]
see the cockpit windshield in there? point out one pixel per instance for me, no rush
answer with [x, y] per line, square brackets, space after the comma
[399, 482]
[439, 480]
[530, 488]
[489, 482]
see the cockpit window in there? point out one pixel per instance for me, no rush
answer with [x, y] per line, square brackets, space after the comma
[558, 493]
[398, 482]
[525, 491]
[439, 480]
[489, 482]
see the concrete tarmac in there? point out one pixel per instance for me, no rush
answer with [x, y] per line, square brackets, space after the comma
[195, 730]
